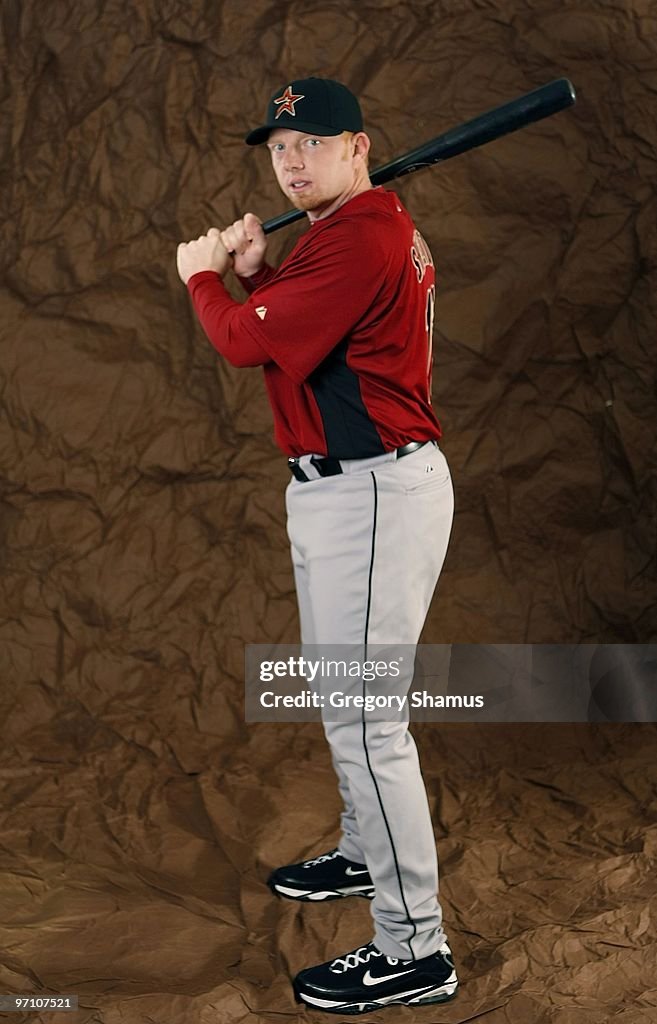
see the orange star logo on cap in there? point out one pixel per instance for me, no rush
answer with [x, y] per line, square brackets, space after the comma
[286, 101]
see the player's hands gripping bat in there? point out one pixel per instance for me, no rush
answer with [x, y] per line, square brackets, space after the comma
[245, 240]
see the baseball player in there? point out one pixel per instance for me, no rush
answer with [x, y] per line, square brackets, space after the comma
[343, 332]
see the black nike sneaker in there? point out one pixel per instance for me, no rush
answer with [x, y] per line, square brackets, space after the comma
[366, 980]
[327, 877]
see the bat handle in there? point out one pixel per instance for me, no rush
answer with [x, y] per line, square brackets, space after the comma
[282, 220]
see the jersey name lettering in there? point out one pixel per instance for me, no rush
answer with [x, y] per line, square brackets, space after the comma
[420, 255]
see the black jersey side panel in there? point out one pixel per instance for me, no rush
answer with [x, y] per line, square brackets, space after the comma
[349, 431]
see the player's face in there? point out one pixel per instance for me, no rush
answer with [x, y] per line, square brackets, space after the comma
[318, 172]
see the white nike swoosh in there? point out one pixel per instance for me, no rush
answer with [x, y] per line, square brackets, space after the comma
[350, 871]
[369, 980]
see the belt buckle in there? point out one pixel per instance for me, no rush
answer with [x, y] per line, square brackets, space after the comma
[326, 465]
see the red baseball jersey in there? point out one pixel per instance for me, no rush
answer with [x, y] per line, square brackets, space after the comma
[343, 329]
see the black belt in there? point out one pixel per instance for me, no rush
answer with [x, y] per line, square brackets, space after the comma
[327, 465]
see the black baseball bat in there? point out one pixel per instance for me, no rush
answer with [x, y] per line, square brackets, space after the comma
[531, 106]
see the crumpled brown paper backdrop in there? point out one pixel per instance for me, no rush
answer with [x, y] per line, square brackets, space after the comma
[142, 524]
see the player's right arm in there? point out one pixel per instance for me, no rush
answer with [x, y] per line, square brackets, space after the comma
[219, 316]
[301, 314]
[202, 265]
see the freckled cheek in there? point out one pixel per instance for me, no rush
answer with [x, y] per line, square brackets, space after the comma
[278, 171]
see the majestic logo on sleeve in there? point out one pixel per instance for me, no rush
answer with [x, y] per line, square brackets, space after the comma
[286, 101]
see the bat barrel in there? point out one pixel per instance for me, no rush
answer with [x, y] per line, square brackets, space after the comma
[532, 106]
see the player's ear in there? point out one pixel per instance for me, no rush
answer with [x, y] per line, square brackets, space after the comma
[361, 144]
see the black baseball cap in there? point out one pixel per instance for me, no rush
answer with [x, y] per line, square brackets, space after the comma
[316, 105]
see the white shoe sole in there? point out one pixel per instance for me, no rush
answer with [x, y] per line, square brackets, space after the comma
[317, 896]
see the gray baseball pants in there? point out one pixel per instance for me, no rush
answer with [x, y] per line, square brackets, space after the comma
[367, 549]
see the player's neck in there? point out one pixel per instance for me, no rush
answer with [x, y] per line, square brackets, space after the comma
[360, 185]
